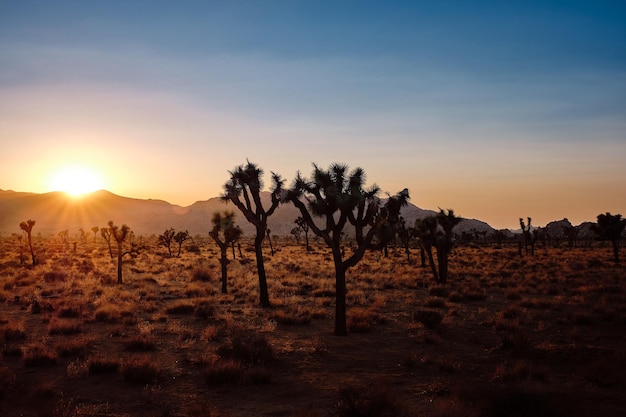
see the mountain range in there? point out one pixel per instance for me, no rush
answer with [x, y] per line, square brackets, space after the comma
[57, 211]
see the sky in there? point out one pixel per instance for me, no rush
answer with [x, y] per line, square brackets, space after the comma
[498, 110]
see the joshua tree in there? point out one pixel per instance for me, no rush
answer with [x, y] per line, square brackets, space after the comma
[426, 231]
[305, 228]
[166, 239]
[610, 227]
[338, 198]
[95, 231]
[27, 226]
[120, 234]
[447, 221]
[269, 239]
[436, 231]
[224, 232]
[245, 182]
[390, 223]
[296, 232]
[180, 238]
[527, 236]
[105, 232]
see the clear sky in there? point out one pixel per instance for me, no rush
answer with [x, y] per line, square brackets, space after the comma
[496, 110]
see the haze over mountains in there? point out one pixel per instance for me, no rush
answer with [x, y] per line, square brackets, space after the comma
[57, 211]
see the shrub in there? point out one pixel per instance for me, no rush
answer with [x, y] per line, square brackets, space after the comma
[373, 402]
[430, 319]
[13, 332]
[140, 371]
[63, 327]
[201, 274]
[108, 314]
[247, 347]
[101, 365]
[182, 307]
[139, 343]
[73, 348]
[38, 355]
[224, 371]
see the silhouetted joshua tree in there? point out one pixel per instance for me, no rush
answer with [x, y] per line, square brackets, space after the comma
[243, 189]
[180, 238]
[27, 226]
[527, 236]
[338, 198]
[610, 227]
[120, 234]
[305, 228]
[105, 232]
[296, 232]
[224, 232]
[95, 231]
[389, 222]
[166, 239]
[436, 231]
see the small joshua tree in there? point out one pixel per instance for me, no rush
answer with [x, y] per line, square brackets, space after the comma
[610, 227]
[166, 239]
[105, 232]
[527, 236]
[27, 226]
[389, 222]
[305, 228]
[436, 232]
[95, 231]
[224, 233]
[120, 234]
[180, 238]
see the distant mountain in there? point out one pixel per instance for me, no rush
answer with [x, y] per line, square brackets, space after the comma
[56, 211]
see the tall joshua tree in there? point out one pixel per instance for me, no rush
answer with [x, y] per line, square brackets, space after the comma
[120, 234]
[243, 189]
[224, 232]
[610, 227]
[27, 226]
[339, 198]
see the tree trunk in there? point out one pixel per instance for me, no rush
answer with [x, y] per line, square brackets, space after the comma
[306, 239]
[32, 252]
[422, 256]
[431, 261]
[616, 249]
[120, 255]
[442, 260]
[341, 328]
[258, 248]
[224, 263]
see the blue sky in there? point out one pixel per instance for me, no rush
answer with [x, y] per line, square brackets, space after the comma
[494, 109]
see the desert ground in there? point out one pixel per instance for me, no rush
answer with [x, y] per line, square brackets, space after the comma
[508, 335]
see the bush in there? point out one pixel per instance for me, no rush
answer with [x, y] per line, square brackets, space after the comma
[224, 371]
[430, 319]
[38, 355]
[101, 365]
[247, 347]
[139, 344]
[201, 274]
[181, 308]
[140, 371]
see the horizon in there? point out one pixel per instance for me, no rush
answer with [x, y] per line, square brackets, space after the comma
[70, 196]
[495, 111]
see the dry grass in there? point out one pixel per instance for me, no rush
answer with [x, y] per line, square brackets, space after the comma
[505, 330]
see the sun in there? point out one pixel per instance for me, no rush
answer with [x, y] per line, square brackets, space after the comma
[76, 180]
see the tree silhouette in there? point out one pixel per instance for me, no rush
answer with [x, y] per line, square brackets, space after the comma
[338, 198]
[445, 241]
[120, 234]
[390, 223]
[27, 226]
[296, 232]
[527, 236]
[436, 232]
[243, 189]
[224, 232]
[305, 228]
[610, 227]
[95, 231]
[180, 238]
[166, 239]
[105, 232]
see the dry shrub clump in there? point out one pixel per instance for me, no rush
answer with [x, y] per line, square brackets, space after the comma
[140, 371]
[13, 332]
[38, 355]
[101, 365]
[63, 327]
[181, 307]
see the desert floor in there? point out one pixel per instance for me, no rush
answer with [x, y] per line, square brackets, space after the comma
[541, 335]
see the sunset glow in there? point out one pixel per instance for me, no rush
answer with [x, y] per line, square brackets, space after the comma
[75, 180]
